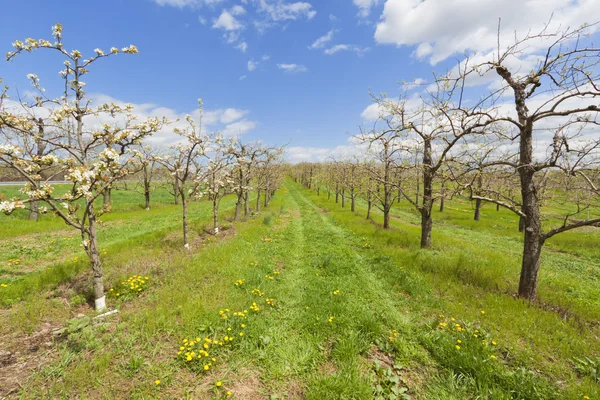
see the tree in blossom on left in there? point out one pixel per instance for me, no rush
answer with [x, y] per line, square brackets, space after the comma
[90, 145]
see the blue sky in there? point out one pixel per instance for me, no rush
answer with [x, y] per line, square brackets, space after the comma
[260, 59]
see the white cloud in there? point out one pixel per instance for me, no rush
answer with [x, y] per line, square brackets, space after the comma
[252, 65]
[365, 6]
[372, 112]
[231, 37]
[442, 28]
[346, 47]
[232, 114]
[279, 10]
[238, 10]
[243, 77]
[292, 67]
[243, 46]
[202, 20]
[323, 40]
[353, 149]
[227, 22]
[238, 128]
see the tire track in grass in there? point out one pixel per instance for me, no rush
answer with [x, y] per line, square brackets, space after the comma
[333, 308]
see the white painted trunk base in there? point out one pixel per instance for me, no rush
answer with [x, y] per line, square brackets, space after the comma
[101, 304]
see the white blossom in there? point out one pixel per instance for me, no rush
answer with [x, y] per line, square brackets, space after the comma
[9, 206]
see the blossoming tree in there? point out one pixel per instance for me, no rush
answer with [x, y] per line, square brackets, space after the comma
[89, 145]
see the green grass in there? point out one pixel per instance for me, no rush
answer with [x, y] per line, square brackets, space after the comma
[359, 312]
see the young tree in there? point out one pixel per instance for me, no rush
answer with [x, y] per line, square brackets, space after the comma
[183, 164]
[247, 156]
[146, 166]
[90, 158]
[433, 127]
[385, 149]
[218, 174]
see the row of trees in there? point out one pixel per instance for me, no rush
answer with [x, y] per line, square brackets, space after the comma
[100, 147]
[533, 136]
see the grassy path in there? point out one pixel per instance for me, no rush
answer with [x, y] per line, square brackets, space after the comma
[319, 305]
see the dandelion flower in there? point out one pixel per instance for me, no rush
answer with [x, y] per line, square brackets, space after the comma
[157, 382]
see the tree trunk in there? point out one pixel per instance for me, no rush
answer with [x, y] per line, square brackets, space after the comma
[427, 206]
[477, 210]
[328, 194]
[106, 197]
[238, 207]
[184, 203]
[258, 200]
[343, 198]
[369, 204]
[176, 191]
[147, 197]
[215, 216]
[426, 228]
[337, 193]
[246, 203]
[34, 210]
[352, 200]
[497, 207]
[387, 195]
[94, 255]
[533, 240]
[386, 218]
[521, 224]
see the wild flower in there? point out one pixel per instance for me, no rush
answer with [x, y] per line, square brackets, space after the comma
[133, 286]
[271, 302]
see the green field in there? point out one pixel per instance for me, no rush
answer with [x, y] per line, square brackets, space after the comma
[319, 304]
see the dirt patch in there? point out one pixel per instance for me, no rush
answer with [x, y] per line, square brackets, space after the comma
[375, 354]
[327, 368]
[21, 355]
[249, 387]
[412, 378]
[198, 238]
[244, 384]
